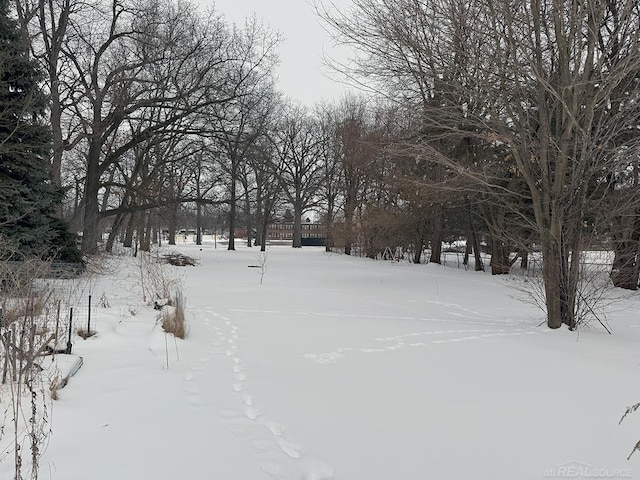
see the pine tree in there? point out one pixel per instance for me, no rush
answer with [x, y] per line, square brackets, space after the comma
[28, 198]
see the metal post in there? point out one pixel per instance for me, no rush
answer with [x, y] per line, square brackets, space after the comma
[89, 318]
[69, 345]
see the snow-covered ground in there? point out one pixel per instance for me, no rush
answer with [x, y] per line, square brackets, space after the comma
[343, 368]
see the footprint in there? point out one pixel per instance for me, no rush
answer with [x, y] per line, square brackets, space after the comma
[275, 428]
[247, 400]
[241, 377]
[194, 400]
[252, 413]
[228, 414]
[237, 369]
[260, 446]
[291, 449]
[318, 471]
[240, 431]
[192, 389]
[237, 387]
[189, 377]
[277, 471]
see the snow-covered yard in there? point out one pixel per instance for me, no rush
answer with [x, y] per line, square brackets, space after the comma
[343, 368]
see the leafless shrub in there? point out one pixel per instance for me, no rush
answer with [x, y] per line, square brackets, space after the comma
[104, 301]
[155, 278]
[28, 317]
[262, 264]
[595, 295]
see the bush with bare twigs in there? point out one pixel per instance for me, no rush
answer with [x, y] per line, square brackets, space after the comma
[27, 325]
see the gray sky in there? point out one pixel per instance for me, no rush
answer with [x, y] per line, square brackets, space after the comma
[301, 70]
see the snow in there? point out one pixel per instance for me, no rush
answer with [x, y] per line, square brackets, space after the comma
[342, 368]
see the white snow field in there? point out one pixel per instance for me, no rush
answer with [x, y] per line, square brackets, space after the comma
[343, 368]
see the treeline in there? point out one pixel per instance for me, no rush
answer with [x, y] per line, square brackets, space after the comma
[512, 125]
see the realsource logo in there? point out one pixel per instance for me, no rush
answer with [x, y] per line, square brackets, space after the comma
[584, 470]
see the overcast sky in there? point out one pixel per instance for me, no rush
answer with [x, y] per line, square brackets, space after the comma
[301, 73]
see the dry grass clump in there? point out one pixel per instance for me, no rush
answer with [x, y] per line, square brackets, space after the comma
[55, 385]
[173, 317]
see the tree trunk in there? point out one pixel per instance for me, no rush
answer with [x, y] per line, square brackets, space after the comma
[115, 230]
[249, 223]
[198, 223]
[438, 234]
[417, 254]
[551, 272]
[173, 223]
[468, 250]
[128, 235]
[624, 272]
[232, 210]
[348, 231]
[500, 261]
[297, 226]
[263, 232]
[144, 231]
[475, 244]
[328, 232]
[91, 225]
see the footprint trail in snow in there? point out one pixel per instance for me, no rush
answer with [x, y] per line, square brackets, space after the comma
[280, 457]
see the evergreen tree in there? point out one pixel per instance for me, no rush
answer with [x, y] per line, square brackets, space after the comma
[28, 198]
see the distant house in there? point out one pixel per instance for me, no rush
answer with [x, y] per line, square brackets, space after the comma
[313, 234]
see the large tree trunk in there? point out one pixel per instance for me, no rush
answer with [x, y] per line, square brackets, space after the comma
[263, 232]
[91, 225]
[144, 231]
[560, 272]
[552, 275]
[500, 253]
[128, 235]
[115, 231]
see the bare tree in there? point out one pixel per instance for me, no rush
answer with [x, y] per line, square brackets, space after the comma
[238, 124]
[296, 142]
[134, 58]
[558, 90]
